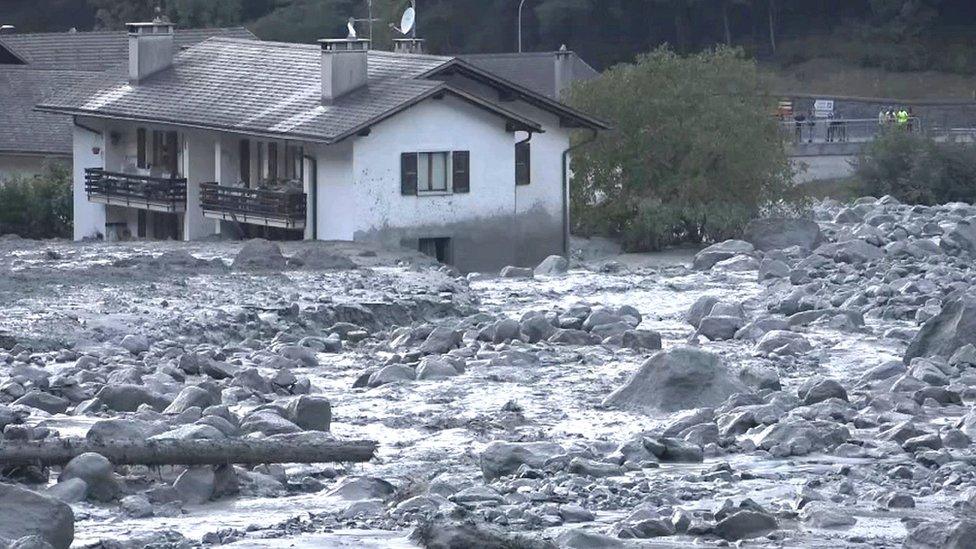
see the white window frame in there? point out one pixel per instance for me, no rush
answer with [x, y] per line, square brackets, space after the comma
[424, 168]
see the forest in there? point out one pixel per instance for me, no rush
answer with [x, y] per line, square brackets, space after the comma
[896, 35]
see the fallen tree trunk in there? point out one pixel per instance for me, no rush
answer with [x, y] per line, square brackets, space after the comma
[59, 451]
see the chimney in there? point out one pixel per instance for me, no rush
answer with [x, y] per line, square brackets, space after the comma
[343, 66]
[409, 45]
[150, 48]
[564, 71]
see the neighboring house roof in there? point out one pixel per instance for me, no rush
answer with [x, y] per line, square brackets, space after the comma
[32, 66]
[24, 130]
[533, 70]
[567, 114]
[263, 88]
[95, 51]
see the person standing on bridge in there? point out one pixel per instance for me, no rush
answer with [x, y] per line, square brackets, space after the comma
[902, 118]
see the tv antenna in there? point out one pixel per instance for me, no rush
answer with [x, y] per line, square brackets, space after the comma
[408, 22]
[369, 18]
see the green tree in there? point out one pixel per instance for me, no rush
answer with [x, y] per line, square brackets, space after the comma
[37, 207]
[205, 13]
[693, 156]
[114, 14]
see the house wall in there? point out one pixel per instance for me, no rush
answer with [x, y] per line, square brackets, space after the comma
[540, 224]
[23, 165]
[89, 218]
[362, 200]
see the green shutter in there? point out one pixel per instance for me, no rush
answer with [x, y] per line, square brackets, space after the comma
[408, 174]
[461, 171]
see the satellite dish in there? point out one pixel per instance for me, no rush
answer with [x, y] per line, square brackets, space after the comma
[408, 20]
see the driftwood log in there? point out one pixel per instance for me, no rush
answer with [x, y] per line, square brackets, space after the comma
[59, 451]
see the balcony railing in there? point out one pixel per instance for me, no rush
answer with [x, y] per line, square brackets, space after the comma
[136, 191]
[284, 209]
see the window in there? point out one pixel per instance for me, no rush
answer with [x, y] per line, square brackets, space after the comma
[523, 163]
[438, 248]
[164, 151]
[293, 161]
[432, 172]
[435, 172]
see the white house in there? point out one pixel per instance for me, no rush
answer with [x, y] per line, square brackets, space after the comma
[331, 142]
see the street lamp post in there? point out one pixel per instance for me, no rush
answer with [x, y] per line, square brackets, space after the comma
[521, 3]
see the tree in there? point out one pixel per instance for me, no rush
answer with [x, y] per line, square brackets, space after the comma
[114, 14]
[693, 156]
[205, 13]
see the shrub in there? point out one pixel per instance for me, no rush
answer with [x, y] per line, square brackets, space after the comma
[693, 156]
[918, 170]
[39, 206]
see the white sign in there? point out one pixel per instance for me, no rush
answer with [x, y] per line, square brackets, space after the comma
[823, 108]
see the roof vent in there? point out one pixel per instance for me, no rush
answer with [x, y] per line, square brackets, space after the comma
[150, 48]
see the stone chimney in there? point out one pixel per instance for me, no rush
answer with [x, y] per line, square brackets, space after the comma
[150, 48]
[344, 64]
[564, 70]
[409, 45]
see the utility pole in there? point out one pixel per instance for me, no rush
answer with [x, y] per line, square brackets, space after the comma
[521, 4]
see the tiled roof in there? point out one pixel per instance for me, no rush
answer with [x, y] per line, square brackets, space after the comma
[95, 51]
[535, 70]
[24, 130]
[262, 88]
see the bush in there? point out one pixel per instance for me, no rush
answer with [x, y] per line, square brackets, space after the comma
[693, 156]
[917, 170]
[39, 206]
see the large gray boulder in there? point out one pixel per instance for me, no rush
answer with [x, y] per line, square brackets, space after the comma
[96, 471]
[850, 251]
[678, 379]
[945, 333]
[502, 458]
[711, 255]
[961, 238]
[127, 398]
[554, 265]
[310, 412]
[25, 513]
[259, 254]
[778, 233]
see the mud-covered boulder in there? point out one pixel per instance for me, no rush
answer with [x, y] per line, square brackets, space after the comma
[945, 333]
[310, 412]
[318, 258]
[677, 379]
[778, 233]
[259, 254]
[440, 341]
[127, 397]
[554, 265]
[850, 251]
[745, 524]
[711, 255]
[501, 458]
[720, 327]
[25, 513]
[97, 472]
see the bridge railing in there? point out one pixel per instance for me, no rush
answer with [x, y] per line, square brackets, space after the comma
[841, 130]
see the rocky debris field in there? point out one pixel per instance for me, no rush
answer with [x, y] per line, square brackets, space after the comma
[811, 385]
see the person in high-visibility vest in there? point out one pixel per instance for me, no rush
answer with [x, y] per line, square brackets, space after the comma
[902, 117]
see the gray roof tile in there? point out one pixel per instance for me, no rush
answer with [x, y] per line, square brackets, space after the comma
[95, 51]
[262, 88]
[24, 130]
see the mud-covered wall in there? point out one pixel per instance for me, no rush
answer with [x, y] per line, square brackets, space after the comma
[480, 223]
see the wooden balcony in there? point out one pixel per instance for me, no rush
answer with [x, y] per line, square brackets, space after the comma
[284, 209]
[136, 191]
